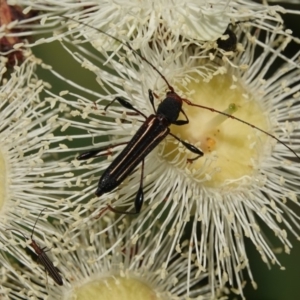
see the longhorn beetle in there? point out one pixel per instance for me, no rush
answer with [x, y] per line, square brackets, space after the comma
[42, 256]
[154, 129]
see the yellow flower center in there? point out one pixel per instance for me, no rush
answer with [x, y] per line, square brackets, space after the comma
[231, 147]
[114, 288]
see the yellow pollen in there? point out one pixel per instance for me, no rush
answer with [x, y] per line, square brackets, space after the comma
[209, 144]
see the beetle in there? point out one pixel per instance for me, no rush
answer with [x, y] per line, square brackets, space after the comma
[154, 129]
[42, 257]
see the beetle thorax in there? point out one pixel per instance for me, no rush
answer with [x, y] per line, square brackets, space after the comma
[170, 107]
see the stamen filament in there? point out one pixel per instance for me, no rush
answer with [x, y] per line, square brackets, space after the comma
[218, 119]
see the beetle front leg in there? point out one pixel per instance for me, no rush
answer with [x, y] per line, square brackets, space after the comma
[151, 98]
[182, 122]
[125, 104]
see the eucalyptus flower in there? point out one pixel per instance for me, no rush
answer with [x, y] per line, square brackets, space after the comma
[245, 175]
[31, 178]
[146, 21]
[128, 269]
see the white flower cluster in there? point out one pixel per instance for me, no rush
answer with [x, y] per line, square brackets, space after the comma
[146, 184]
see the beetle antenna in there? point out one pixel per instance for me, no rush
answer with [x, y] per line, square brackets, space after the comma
[36, 221]
[12, 229]
[242, 121]
[128, 46]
